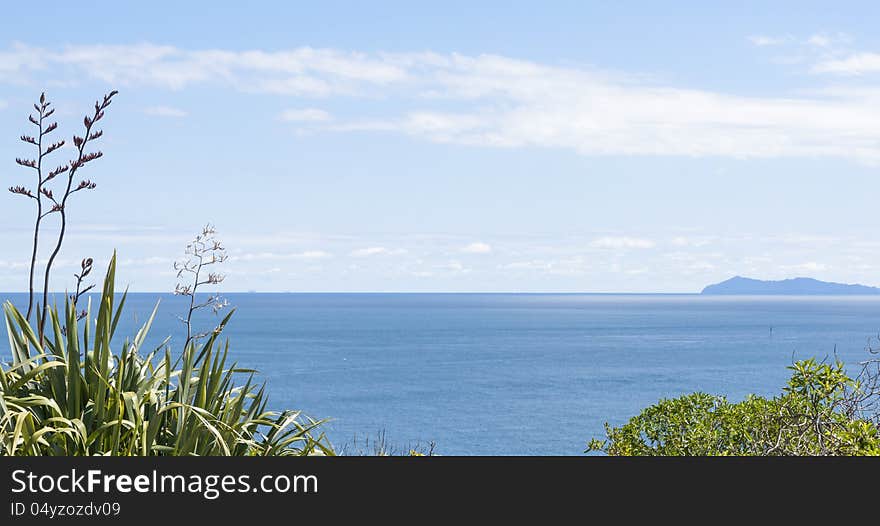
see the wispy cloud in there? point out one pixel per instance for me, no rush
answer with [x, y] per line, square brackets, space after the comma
[274, 256]
[570, 266]
[454, 266]
[622, 242]
[300, 71]
[765, 40]
[377, 251]
[165, 111]
[497, 101]
[149, 261]
[819, 41]
[684, 241]
[646, 260]
[827, 40]
[535, 264]
[369, 251]
[809, 266]
[305, 115]
[855, 64]
[477, 248]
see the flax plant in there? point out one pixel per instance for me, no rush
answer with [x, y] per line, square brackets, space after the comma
[68, 393]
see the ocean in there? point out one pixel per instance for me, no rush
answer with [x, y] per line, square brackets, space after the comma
[513, 374]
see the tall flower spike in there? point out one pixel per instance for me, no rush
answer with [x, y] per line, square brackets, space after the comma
[60, 202]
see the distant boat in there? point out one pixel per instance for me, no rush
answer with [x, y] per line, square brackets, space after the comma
[739, 285]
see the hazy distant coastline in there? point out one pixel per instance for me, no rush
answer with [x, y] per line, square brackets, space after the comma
[739, 285]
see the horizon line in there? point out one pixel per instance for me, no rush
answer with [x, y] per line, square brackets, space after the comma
[171, 293]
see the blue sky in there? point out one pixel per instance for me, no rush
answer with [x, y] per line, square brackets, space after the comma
[510, 146]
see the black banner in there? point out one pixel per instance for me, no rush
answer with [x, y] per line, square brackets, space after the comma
[130, 490]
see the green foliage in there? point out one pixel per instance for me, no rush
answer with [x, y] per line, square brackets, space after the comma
[812, 416]
[71, 395]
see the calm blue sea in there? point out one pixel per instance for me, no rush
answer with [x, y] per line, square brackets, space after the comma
[515, 373]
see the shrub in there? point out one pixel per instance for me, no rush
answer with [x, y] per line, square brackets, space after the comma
[69, 394]
[813, 416]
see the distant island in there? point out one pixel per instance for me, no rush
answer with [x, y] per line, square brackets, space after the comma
[796, 286]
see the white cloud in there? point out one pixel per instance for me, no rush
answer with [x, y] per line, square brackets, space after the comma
[497, 101]
[148, 261]
[3, 104]
[14, 265]
[764, 40]
[816, 40]
[700, 266]
[855, 64]
[516, 104]
[609, 261]
[819, 40]
[313, 254]
[477, 248]
[622, 242]
[377, 251]
[809, 266]
[455, 267]
[305, 115]
[572, 265]
[300, 71]
[682, 241]
[827, 40]
[19, 58]
[537, 264]
[165, 111]
[369, 251]
[273, 256]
